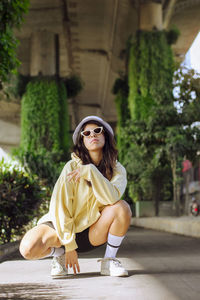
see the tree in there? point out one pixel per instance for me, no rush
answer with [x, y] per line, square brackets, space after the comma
[183, 141]
[157, 146]
[120, 90]
[11, 15]
[150, 86]
[159, 136]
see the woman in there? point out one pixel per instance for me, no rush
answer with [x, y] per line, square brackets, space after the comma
[85, 209]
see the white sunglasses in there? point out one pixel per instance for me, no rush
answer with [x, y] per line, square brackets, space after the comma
[96, 131]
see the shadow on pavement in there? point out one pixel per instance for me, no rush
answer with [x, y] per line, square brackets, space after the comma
[162, 272]
[30, 291]
[79, 276]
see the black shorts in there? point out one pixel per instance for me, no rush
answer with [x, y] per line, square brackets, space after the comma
[82, 240]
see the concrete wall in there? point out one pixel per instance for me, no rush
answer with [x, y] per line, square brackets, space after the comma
[147, 209]
[9, 124]
[9, 135]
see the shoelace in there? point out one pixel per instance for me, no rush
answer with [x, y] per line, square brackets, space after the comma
[115, 261]
[58, 259]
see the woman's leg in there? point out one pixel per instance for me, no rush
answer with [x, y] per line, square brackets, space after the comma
[115, 219]
[38, 241]
[111, 227]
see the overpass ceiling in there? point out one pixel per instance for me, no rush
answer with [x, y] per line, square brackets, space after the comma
[185, 16]
[92, 36]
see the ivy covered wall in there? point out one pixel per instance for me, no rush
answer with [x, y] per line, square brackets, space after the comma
[44, 118]
[120, 90]
[150, 73]
[45, 128]
[159, 137]
[150, 103]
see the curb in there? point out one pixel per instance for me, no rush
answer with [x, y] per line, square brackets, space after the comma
[179, 225]
[7, 249]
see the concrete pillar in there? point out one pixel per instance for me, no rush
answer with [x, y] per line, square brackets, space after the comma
[150, 16]
[43, 54]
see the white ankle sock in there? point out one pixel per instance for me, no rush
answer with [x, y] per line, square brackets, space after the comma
[56, 251]
[113, 244]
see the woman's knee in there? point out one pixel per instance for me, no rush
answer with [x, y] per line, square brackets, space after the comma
[122, 210]
[34, 242]
[29, 246]
[26, 248]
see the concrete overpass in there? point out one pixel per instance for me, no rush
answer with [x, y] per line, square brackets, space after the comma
[88, 38]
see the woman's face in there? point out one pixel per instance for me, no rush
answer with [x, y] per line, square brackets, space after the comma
[93, 142]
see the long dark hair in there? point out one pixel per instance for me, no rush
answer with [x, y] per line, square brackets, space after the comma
[108, 162]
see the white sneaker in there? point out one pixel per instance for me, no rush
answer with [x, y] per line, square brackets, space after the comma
[58, 268]
[112, 267]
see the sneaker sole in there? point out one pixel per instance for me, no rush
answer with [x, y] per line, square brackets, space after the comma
[59, 276]
[114, 275]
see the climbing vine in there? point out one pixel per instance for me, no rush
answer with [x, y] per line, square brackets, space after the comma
[40, 116]
[11, 15]
[159, 135]
[150, 75]
[120, 90]
[45, 136]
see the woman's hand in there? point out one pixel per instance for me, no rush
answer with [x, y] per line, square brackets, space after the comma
[74, 175]
[71, 261]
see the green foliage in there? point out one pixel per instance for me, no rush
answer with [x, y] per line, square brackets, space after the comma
[184, 133]
[187, 95]
[120, 89]
[121, 86]
[40, 116]
[74, 85]
[16, 86]
[11, 15]
[150, 73]
[45, 129]
[65, 138]
[146, 163]
[20, 196]
[164, 129]
[172, 35]
[150, 94]
[160, 136]
[47, 165]
[122, 116]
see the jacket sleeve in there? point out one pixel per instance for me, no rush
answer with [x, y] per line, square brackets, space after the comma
[106, 192]
[61, 211]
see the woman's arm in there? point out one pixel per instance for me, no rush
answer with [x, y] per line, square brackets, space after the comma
[107, 192]
[61, 211]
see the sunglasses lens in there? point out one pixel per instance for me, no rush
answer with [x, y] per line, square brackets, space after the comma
[98, 130]
[86, 133]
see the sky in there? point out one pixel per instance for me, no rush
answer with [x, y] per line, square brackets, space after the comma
[192, 58]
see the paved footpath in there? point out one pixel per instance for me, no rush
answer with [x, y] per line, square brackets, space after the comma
[162, 266]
